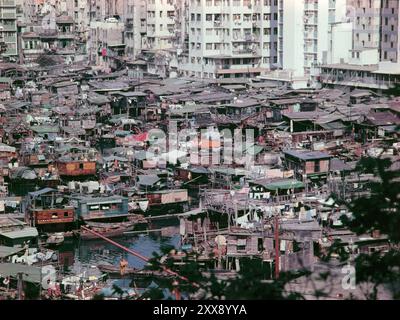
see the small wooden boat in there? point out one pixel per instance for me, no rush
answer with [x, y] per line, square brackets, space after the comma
[108, 232]
[110, 229]
[55, 239]
[132, 272]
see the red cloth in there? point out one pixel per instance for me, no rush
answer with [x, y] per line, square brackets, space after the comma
[140, 137]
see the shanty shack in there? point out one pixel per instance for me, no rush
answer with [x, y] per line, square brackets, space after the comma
[130, 103]
[14, 232]
[46, 208]
[307, 164]
[226, 178]
[88, 207]
[265, 188]
[73, 168]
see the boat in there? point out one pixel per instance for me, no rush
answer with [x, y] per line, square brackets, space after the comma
[55, 239]
[108, 232]
[112, 270]
[110, 229]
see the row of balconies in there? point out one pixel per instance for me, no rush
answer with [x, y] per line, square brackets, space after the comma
[10, 52]
[7, 15]
[7, 3]
[10, 39]
[9, 27]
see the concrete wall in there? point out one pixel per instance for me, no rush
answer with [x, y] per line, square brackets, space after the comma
[341, 37]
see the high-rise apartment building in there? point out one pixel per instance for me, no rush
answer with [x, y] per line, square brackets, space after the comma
[389, 31]
[134, 17]
[375, 27]
[305, 28]
[231, 38]
[366, 18]
[160, 24]
[8, 28]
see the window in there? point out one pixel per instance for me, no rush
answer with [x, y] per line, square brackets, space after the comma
[317, 167]
[208, 17]
[208, 46]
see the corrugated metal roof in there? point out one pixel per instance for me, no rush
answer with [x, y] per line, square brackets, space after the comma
[9, 251]
[307, 155]
[40, 192]
[23, 233]
[29, 273]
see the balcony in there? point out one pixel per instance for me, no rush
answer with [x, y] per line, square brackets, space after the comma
[311, 35]
[248, 51]
[8, 15]
[8, 3]
[10, 39]
[129, 26]
[217, 24]
[65, 35]
[10, 52]
[33, 51]
[48, 34]
[8, 27]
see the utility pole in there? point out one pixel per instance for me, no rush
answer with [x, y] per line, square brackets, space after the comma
[277, 249]
[20, 286]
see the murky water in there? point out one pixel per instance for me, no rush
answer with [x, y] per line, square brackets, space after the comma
[98, 251]
[78, 253]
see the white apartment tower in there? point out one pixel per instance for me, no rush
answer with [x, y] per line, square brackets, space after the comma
[304, 35]
[8, 27]
[160, 24]
[231, 38]
[134, 17]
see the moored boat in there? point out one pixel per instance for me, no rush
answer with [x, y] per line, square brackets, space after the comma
[112, 270]
[111, 229]
[55, 239]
